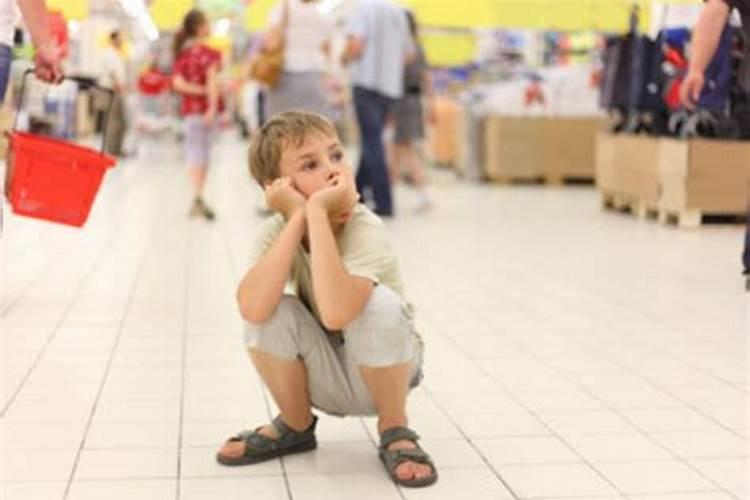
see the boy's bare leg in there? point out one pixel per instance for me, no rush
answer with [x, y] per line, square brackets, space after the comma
[389, 387]
[287, 383]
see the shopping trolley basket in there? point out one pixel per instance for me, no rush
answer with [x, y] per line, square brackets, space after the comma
[52, 179]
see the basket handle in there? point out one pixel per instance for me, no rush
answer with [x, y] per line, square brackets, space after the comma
[83, 82]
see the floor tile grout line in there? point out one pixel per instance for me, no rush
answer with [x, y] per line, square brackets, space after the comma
[634, 372]
[533, 413]
[183, 367]
[586, 390]
[473, 445]
[237, 270]
[109, 239]
[58, 256]
[94, 407]
[147, 249]
[647, 314]
[647, 434]
[43, 349]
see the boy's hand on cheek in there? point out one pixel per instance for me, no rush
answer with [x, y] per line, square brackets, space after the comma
[338, 198]
[282, 197]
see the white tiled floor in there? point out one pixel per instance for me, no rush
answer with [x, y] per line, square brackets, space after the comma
[571, 353]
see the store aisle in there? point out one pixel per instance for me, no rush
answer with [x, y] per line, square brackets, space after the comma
[570, 352]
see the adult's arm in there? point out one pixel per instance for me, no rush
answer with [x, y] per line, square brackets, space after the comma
[705, 40]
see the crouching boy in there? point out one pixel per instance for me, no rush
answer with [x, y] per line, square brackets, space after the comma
[328, 326]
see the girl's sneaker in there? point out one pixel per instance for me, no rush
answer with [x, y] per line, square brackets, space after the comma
[200, 209]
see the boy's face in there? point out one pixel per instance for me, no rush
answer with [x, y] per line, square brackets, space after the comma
[312, 164]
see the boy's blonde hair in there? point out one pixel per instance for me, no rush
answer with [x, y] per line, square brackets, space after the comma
[278, 133]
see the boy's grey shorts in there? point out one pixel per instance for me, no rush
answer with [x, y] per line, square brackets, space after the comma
[382, 335]
[197, 141]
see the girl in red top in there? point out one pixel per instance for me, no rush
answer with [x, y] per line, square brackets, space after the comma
[195, 70]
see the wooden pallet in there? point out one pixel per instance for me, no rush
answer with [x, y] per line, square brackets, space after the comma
[690, 219]
[549, 180]
[687, 219]
[629, 204]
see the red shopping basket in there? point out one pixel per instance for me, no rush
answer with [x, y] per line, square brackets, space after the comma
[52, 179]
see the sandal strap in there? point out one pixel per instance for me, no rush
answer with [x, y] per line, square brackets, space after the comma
[394, 434]
[253, 440]
[282, 429]
[394, 458]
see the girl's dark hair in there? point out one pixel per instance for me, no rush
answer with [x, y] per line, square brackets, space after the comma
[412, 20]
[190, 25]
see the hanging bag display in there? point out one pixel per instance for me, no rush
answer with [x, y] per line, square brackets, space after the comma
[268, 64]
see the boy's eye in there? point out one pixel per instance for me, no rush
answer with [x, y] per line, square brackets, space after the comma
[310, 165]
[337, 156]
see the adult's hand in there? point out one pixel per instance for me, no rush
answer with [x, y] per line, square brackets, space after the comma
[48, 63]
[690, 90]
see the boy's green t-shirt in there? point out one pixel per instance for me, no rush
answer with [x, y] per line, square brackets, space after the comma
[364, 248]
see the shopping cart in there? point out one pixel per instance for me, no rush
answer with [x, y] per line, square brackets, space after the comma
[51, 179]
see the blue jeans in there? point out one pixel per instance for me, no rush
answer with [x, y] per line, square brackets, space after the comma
[6, 57]
[372, 176]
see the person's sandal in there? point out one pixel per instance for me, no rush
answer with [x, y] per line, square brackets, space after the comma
[393, 458]
[259, 448]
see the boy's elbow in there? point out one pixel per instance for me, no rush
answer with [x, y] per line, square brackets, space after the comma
[254, 316]
[251, 312]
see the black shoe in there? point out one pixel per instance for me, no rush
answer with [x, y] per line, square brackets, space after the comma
[200, 209]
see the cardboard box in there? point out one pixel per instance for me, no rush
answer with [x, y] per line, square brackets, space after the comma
[704, 176]
[569, 147]
[470, 145]
[442, 147]
[513, 147]
[627, 165]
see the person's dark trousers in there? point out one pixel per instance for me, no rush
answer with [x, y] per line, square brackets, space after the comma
[261, 103]
[372, 110]
[6, 57]
[117, 125]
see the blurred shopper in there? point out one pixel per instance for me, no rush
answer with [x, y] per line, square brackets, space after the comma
[47, 58]
[378, 46]
[304, 32]
[409, 115]
[113, 76]
[195, 79]
[705, 40]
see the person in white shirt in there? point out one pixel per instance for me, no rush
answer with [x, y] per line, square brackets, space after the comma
[305, 32]
[114, 76]
[47, 59]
